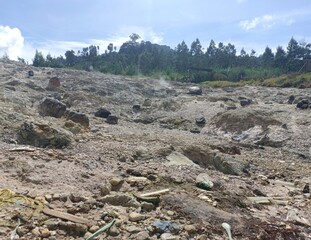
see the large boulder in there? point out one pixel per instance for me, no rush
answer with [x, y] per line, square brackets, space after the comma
[208, 158]
[244, 118]
[43, 135]
[52, 107]
[54, 84]
[77, 117]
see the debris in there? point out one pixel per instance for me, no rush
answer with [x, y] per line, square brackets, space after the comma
[154, 200]
[31, 207]
[101, 230]
[260, 200]
[227, 227]
[14, 234]
[66, 216]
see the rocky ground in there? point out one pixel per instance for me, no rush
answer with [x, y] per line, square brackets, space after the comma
[156, 159]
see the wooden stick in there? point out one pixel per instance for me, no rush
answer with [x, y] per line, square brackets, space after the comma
[22, 149]
[66, 216]
[155, 193]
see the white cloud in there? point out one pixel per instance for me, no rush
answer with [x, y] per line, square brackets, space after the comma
[11, 42]
[57, 48]
[267, 21]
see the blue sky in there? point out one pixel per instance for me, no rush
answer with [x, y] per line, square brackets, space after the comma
[54, 26]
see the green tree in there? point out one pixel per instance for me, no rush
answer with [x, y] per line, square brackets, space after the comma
[182, 57]
[39, 60]
[134, 37]
[110, 47]
[280, 58]
[196, 48]
[70, 58]
[267, 57]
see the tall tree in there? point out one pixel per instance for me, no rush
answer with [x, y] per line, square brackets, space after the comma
[267, 57]
[39, 60]
[280, 57]
[196, 48]
[182, 56]
[70, 58]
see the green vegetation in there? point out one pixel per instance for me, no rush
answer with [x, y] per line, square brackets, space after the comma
[220, 63]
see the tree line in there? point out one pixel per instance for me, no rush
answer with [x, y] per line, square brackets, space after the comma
[218, 62]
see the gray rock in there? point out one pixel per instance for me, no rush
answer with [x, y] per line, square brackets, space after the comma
[200, 120]
[161, 226]
[77, 117]
[195, 90]
[203, 181]
[245, 102]
[206, 158]
[112, 119]
[144, 235]
[43, 135]
[168, 236]
[113, 231]
[52, 107]
[120, 199]
[73, 229]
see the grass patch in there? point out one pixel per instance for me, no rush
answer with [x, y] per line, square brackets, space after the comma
[289, 80]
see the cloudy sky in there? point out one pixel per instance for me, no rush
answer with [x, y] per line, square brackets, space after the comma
[54, 26]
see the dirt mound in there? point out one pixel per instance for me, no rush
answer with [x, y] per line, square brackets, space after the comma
[245, 118]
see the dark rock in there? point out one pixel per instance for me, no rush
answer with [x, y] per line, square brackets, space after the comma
[303, 104]
[306, 188]
[195, 90]
[52, 107]
[54, 84]
[42, 135]
[77, 117]
[102, 113]
[136, 108]
[257, 192]
[291, 99]
[112, 119]
[30, 73]
[231, 107]
[165, 227]
[200, 120]
[245, 102]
